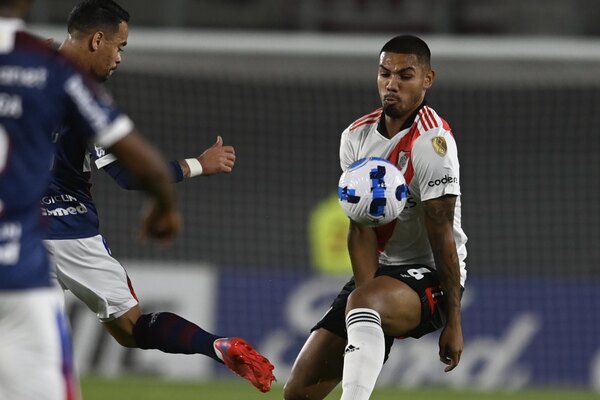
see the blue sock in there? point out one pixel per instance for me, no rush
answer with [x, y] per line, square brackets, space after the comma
[171, 333]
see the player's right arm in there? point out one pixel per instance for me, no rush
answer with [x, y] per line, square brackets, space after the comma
[145, 163]
[92, 112]
[362, 240]
[364, 256]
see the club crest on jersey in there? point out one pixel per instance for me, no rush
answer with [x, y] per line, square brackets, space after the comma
[439, 145]
[403, 158]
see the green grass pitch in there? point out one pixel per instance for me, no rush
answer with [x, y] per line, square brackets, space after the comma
[136, 388]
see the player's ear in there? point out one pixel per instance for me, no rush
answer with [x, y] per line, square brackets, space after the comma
[429, 78]
[96, 39]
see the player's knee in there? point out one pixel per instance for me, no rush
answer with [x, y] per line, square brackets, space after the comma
[293, 392]
[362, 298]
[296, 389]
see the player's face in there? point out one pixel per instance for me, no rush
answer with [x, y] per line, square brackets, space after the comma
[108, 55]
[402, 81]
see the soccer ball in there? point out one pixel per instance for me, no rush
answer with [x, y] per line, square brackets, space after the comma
[372, 192]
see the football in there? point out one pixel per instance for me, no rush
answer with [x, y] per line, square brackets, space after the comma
[372, 192]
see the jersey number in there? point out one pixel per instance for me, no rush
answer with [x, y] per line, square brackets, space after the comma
[417, 273]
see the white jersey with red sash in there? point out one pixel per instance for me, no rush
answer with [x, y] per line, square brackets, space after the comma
[425, 151]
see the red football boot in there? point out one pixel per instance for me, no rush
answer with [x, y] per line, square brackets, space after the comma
[248, 363]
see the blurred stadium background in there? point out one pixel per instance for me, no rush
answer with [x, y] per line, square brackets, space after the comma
[263, 251]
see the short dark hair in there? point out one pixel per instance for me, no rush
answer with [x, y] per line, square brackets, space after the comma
[90, 15]
[409, 44]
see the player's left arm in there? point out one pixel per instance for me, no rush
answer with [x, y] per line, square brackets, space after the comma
[216, 159]
[439, 222]
[437, 170]
[128, 182]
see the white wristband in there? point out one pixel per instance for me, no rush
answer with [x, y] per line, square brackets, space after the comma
[195, 166]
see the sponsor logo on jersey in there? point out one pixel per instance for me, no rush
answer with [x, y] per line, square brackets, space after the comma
[10, 242]
[63, 212]
[439, 145]
[11, 106]
[59, 198]
[444, 181]
[410, 202]
[14, 75]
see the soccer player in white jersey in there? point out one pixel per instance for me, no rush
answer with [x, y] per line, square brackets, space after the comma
[40, 89]
[97, 34]
[409, 274]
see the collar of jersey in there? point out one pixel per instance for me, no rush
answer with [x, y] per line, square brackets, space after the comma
[407, 124]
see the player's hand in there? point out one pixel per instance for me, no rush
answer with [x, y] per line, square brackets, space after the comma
[451, 346]
[217, 158]
[161, 224]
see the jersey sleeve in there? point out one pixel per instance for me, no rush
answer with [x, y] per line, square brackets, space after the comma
[347, 153]
[93, 112]
[127, 181]
[436, 166]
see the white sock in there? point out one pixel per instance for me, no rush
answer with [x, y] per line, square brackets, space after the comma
[363, 357]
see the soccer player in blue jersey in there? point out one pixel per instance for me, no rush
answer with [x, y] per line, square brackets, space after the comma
[40, 89]
[97, 34]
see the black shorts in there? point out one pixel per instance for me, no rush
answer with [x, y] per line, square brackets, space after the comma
[427, 286]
